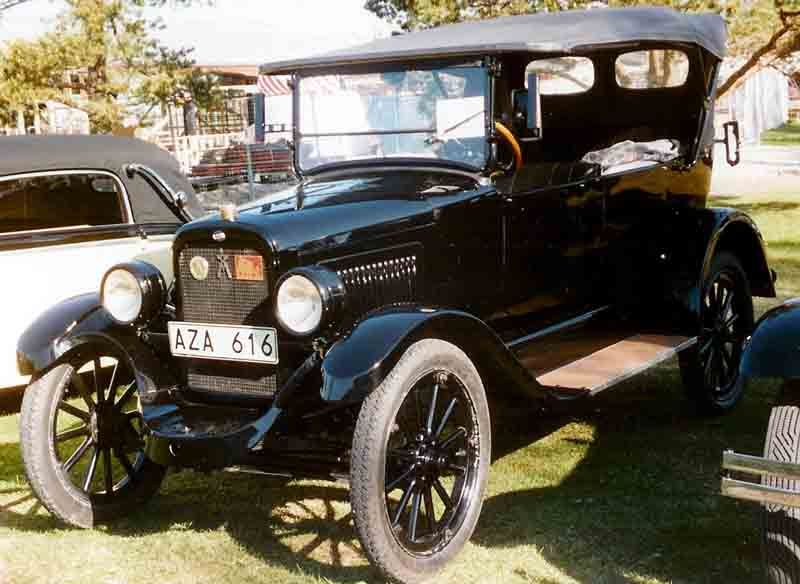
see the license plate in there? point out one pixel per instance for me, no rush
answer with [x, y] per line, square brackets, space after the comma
[223, 342]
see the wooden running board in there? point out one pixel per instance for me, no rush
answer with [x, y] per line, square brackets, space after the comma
[615, 363]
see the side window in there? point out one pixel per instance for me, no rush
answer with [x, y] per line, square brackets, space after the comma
[562, 75]
[654, 69]
[59, 201]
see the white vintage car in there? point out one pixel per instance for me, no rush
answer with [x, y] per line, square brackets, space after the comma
[70, 208]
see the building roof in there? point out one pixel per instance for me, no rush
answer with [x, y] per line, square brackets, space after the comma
[564, 32]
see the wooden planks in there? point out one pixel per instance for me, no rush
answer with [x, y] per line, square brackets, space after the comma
[616, 362]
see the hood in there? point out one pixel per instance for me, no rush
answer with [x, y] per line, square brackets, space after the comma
[324, 213]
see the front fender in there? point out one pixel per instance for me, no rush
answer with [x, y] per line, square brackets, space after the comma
[773, 349]
[74, 325]
[358, 363]
[58, 330]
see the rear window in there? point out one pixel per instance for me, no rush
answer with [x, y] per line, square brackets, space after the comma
[59, 201]
[562, 75]
[653, 69]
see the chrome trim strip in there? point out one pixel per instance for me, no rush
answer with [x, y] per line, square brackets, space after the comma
[759, 493]
[760, 466]
[575, 321]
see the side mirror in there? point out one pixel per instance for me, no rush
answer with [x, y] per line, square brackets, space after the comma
[732, 141]
[534, 108]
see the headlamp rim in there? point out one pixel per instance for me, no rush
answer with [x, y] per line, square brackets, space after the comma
[330, 288]
[152, 287]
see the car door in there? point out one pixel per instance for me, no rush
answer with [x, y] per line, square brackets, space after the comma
[552, 253]
[59, 233]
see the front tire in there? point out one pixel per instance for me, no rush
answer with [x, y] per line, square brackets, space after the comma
[82, 441]
[780, 526]
[420, 461]
[710, 369]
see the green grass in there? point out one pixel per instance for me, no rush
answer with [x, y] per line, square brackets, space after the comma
[622, 490]
[786, 135]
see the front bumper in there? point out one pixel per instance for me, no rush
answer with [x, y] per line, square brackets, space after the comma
[756, 466]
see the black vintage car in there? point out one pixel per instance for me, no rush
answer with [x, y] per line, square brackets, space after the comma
[515, 206]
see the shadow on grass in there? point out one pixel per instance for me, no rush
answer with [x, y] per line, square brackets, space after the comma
[641, 503]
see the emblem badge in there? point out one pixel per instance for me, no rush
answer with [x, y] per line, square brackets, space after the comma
[223, 269]
[198, 267]
[218, 236]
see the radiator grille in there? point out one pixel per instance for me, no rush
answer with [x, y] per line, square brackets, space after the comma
[220, 299]
[373, 284]
[230, 380]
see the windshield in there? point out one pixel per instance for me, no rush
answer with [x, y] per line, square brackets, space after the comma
[427, 114]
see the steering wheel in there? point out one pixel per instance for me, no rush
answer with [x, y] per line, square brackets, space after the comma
[512, 141]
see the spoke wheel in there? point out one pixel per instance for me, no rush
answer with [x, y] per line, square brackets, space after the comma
[83, 440]
[97, 432]
[711, 369]
[723, 333]
[431, 463]
[420, 460]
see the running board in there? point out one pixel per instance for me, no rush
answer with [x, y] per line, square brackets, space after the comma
[615, 363]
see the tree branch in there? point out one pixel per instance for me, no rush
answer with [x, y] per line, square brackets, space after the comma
[754, 60]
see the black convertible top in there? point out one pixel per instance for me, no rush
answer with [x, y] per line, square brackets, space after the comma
[564, 32]
[24, 154]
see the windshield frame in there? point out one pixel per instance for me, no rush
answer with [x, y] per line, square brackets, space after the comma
[362, 69]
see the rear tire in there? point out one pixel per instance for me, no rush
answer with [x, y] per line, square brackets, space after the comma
[710, 369]
[66, 443]
[420, 461]
[780, 526]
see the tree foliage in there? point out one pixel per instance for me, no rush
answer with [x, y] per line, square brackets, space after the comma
[103, 57]
[762, 32]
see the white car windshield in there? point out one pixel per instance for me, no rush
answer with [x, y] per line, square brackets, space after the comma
[426, 114]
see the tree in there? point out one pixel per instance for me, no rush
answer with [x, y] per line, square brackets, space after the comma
[103, 58]
[763, 32]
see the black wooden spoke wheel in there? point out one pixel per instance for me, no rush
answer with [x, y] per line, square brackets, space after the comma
[83, 440]
[420, 461]
[711, 369]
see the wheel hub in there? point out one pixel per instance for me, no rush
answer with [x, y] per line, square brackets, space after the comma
[107, 426]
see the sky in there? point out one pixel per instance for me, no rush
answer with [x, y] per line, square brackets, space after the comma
[234, 31]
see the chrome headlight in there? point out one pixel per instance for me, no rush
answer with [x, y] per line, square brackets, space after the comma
[133, 291]
[308, 300]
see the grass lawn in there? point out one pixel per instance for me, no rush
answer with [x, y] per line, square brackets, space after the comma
[786, 135]
[622, 490]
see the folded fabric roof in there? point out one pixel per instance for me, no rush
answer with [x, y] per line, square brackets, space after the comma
[553, 32]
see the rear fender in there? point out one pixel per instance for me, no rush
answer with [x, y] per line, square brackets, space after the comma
[735, 232]
[773, 349]
[690, 240]
[358, 363]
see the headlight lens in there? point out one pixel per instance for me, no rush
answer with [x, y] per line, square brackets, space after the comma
[299, 305]
[122, 296]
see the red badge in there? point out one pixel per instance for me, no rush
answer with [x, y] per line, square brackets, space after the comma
[248, 267]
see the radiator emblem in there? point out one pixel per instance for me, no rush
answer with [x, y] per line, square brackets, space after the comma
[218, 236]
[198, 267]
[223, 269]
